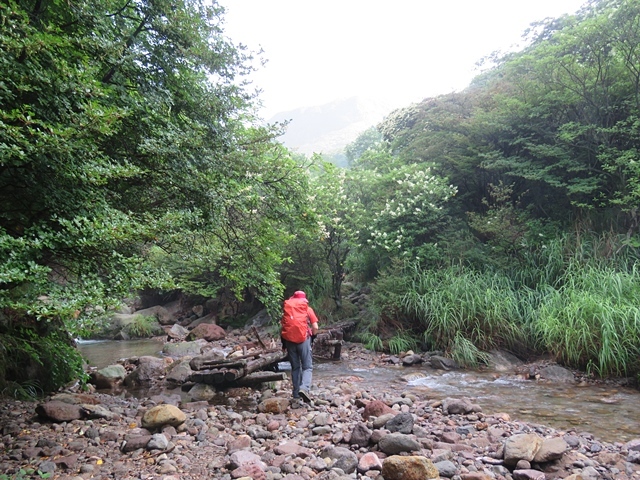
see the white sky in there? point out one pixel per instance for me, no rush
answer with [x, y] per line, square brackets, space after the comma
[399, 51]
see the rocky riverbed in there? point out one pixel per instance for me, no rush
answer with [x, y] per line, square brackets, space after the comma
[349, 430]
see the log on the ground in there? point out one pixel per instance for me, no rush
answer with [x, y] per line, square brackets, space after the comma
[203, 363]
[233, 370]
[257, 378]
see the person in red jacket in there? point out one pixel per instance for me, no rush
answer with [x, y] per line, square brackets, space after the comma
[299, 323]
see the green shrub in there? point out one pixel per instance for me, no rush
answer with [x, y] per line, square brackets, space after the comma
[142, 326]
[36, 357]
[402, 341]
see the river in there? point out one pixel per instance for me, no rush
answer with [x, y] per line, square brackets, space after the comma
[610, 414]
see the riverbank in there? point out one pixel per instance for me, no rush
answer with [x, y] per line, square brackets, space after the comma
[349, 430]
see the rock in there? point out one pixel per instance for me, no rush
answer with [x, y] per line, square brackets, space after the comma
[148, 369]
[551, 449]
[57, 411]
[522, 446]
[442, 363]
[343, 458]
[446, 468]
[382, 420]
[369, 461]
[207, 331]
[194, 321]
[108, 377]
[376, 408]
[412, 359]
[161, 415]
[134, 442]
[401, 423]
[501, 361]
[456, 406]
[183, 349]
[293, 448]
[202, 391]
[179, 372]
[556, 373]
[177, 332]
[98, 411]
[528, 475]
[408, 468]
[160, 313]
[360, 435]
[274, 405]
[158, 442]
[395, 443]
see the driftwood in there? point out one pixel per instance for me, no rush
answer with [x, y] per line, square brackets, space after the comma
[218, 372]
[329, 341]
[248, 369]
[257, 378]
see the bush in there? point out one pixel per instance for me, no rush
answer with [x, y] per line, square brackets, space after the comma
[36, 357]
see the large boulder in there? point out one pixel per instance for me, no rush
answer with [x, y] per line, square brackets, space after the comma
[398, 467]
[556, 373]
[162, 415]
[164, 316]
[58, 411]
[183, 349]
[523, 446]
[108, 377]
[207, 331]
[501, 361]
[148, 369]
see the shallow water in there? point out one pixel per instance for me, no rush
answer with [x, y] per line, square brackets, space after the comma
[610, 414]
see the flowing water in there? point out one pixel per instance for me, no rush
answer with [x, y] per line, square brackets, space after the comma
[610, 414]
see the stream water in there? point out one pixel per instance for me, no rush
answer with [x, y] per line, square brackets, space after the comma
[610, 414]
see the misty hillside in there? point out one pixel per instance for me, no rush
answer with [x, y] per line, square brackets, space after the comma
[329, 128]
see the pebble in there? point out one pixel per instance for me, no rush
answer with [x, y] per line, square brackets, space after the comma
[310, 441]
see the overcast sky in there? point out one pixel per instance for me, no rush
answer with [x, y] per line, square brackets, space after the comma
[397, 51]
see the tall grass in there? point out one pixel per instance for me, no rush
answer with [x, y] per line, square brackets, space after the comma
[575, 299]
[592, 320]
[457, 303]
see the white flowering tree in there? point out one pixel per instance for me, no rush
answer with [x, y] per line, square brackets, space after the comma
[339, 215]
[408, 211]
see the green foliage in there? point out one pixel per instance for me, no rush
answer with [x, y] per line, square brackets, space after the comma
[371, 341]
[142, 326]
[465, 353]
[592, 321]
[36, 357]
[482, 307]
[402, 341]
[25, 473]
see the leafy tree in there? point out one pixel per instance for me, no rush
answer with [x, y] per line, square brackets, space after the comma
[125, 136]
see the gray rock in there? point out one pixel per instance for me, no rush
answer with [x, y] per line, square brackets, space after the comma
[158, 442]
[344, 459]
[442, 363]
[395, 443]
[401, 423]
[360, 435]
[556, 373]
[446, 468]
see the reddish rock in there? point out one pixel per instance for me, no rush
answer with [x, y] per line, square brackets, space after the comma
[376, 408]
[57, 411]
[207, 331]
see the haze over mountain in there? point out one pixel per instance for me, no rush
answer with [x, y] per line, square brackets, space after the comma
[328, 128]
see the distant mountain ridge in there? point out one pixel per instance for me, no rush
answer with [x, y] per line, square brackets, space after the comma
[330, 127]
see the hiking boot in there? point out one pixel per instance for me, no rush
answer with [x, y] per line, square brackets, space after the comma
[304, 395]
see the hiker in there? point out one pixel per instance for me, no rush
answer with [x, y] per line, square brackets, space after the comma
[299, 323]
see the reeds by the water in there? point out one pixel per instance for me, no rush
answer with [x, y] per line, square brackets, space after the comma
[580, 309]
